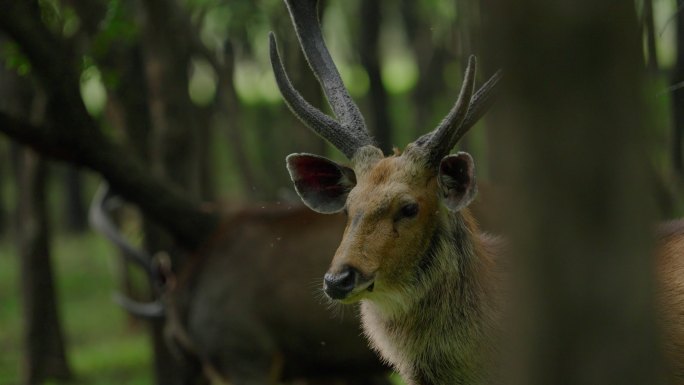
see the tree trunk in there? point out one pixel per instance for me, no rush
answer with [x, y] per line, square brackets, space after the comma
[3, 179]
[431, 61]
[45, 356]
[581, 211]
[369, 39]
[229, 107]
[678, 101]
[176, 140]
[167, 56]
[205, 135]
[75, 212]
[44, 351]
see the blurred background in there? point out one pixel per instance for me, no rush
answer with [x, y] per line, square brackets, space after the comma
[183, 91]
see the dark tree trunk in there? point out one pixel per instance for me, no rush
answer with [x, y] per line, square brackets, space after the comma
[45, 356]
[369, 39]
[491, 61]
[176, 140]
[74, 207]
[431, 61]
[229, 106]
[3, 179]
[205, 134]
[678, 101]
[581, 211]
[167, 55]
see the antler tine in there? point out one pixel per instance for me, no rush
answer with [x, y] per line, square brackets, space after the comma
[441, 140]
[100, 219]
[479, 104]
[322, 124]
[305, 19]
[350, 121]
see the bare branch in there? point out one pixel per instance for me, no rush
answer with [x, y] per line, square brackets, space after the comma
[74, 136]
[166, 206]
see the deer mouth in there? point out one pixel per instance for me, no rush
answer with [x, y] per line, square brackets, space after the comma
[348, 285]
[359, 292]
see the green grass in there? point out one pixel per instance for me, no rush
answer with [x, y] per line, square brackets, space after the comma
[104, 345]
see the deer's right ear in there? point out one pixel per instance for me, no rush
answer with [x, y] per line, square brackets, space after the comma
[322, 184]
[456, 179]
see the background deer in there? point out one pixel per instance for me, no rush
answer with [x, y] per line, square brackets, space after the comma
[411, 253]
[240, 312]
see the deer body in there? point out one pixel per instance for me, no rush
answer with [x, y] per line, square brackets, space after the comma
[252, 317]
[240, 312]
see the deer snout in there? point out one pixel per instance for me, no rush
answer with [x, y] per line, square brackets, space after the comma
[339, 285]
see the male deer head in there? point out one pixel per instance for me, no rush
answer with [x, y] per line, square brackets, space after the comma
[392, 202]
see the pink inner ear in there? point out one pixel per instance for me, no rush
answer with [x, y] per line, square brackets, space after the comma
[317, 176]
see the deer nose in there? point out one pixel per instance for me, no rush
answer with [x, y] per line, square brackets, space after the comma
[339, 285]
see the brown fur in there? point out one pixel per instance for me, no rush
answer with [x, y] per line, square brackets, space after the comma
[247, 308]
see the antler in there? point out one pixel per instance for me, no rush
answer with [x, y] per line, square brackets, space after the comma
[349, 133]
[468, 109]
[103, 202]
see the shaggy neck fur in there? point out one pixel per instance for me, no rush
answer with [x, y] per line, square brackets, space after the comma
[434, 330]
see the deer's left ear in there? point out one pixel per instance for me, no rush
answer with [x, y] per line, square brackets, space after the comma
[456, 179]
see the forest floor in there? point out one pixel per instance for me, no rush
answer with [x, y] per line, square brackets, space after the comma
[105, 346]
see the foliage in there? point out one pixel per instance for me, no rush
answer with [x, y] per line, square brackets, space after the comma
[14, 59]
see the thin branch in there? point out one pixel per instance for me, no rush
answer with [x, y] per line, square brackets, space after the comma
[162, 203]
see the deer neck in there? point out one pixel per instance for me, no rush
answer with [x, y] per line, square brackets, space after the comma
[442, 312]
[456, 259]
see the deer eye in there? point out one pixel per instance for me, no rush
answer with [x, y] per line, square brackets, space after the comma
[409, 210]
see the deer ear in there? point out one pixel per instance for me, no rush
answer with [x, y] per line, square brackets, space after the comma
[456, 178]
[322, 184]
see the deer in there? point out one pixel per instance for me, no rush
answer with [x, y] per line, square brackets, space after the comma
[239, 312]
[428, 280]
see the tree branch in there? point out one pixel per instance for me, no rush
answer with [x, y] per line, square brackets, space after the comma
[189, 225]
[75, 137]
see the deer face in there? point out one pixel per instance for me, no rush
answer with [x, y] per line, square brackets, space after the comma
[393, 206]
